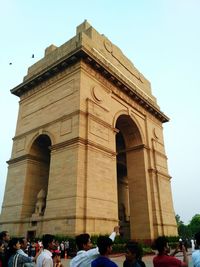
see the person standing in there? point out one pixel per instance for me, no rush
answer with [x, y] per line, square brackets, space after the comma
[2, 256]
[14, 258]
[133, 255]
[196, 253]
[192, 245]
[62, 249]
[45, 257]
[23, 249]
[86, 254]
[163, 259]
[5, 237]
[67, 247]
[104, 244]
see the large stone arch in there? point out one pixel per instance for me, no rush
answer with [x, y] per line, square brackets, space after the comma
[87, 94]
[35, 136]
[130, 130]
[124, 113]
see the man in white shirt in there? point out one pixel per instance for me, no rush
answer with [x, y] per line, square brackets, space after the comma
[196, 253]
[45, 257]
[86, 254]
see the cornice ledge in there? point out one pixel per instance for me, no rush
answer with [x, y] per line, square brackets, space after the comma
[80, 140]
[152, 170]
[115, 78]
[63, 63]
[138, 147]
[25, 157]
[98, 65]
[50, 218]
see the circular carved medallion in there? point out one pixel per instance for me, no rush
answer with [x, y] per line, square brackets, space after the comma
[97, 94]
[155, 132]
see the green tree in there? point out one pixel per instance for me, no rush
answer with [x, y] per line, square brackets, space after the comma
[178, 220]
[194, 224]
[184, 231]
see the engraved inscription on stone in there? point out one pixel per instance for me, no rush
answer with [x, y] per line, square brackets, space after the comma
[159, 147]
[161, 164]
[57, 93]
[96, 110]
[20, 144]
[66, 127]
[98, 130]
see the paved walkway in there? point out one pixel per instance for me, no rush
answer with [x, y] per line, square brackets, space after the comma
[119, 259]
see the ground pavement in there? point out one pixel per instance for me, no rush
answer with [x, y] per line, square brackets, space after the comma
[119, 259]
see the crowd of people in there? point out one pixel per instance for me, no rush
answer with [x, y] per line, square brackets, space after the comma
[18, 252]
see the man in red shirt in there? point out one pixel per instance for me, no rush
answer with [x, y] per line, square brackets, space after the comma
[165, 260]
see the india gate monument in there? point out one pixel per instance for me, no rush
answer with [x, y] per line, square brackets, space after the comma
[88, 151]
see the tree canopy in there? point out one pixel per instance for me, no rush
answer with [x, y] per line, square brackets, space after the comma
[188, 231]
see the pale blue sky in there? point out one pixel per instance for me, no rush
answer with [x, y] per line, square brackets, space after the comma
[161, 38]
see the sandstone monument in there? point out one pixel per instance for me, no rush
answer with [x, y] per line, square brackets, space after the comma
[88, 152]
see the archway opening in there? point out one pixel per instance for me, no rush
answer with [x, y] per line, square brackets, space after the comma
[38, 175]
[127, 138]
[122, 186]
